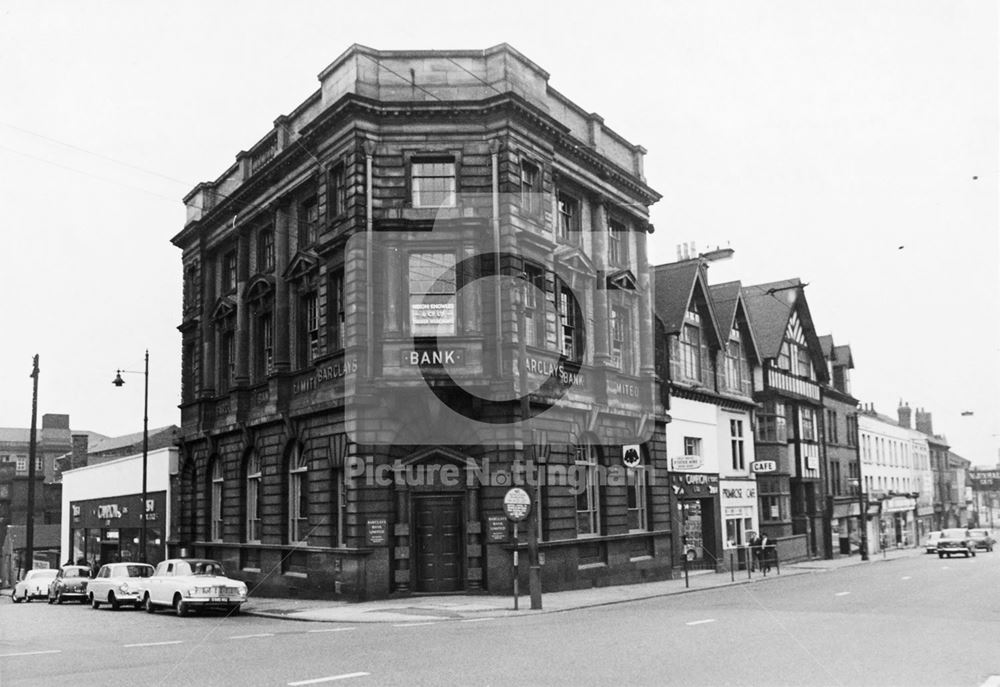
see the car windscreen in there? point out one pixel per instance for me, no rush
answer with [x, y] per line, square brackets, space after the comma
[953, 534]
[139, 571]
[76, 572]
[206, 568]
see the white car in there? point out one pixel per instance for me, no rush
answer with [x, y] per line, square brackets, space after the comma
[117, 584]
[35, 585]
[184, 584]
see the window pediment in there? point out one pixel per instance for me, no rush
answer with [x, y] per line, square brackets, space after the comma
[260, 287]
[301, 265]
[573, 258]
[225, 307]
[623, 280]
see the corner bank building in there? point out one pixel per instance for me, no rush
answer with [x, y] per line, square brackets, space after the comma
[424, 285]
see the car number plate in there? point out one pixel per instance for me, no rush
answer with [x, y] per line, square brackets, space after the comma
[220, 599]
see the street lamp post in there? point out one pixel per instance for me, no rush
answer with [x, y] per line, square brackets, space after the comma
[118, 381]
[862, 518]
[521, 297]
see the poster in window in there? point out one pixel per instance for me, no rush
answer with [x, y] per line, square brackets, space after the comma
[432, 315]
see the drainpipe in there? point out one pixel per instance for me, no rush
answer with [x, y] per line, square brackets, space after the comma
[369, 147]
[495, 220]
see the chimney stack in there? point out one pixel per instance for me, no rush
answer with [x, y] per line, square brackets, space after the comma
[78, 459]
[924, 422]
[904, 415]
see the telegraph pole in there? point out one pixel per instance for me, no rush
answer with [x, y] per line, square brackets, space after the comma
[29, 553]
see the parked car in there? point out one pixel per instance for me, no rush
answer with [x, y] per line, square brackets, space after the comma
[35, 585]
[932, 538]
[184, 584]
[69, 583]
[955, 540]
[117, 584]
[982, 539]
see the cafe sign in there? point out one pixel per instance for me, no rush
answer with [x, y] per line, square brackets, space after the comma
[764, 466]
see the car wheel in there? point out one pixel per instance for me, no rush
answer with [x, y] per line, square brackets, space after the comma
[940, 555]
[235, 610]
[115, 605]
[14, 599]
[147, 604]
[94, 603]
[180, 607]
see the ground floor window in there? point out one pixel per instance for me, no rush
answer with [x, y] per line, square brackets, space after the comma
[99, 546]
[638, 514]
[737, 530]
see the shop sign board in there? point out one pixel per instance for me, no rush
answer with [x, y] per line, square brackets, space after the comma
[118, 511]
[686, 463]
[764, 466]
[694, 485]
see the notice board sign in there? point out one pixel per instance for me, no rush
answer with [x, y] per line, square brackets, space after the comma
[376, 532]
[496, 529]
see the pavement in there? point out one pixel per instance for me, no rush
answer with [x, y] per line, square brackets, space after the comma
[420, 609]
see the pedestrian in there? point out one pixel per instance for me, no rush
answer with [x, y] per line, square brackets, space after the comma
[754, 552]
[764, 561]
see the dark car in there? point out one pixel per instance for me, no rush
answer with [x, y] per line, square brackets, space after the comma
[982, 539]
[70, 583]
[955, 540]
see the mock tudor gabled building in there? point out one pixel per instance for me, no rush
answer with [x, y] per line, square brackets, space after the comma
[707, 355]
[787, 389]
[339, 327]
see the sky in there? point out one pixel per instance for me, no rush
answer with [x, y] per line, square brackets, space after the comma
[851, 144]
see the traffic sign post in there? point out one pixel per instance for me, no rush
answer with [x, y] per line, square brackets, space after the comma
[517, 506]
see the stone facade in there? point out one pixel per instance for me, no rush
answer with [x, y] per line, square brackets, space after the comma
[347, 348]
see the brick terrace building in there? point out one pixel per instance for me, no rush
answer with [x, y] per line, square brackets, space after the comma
[840, 452]
[334, 322]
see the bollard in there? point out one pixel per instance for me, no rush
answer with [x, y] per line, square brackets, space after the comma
[686, 583]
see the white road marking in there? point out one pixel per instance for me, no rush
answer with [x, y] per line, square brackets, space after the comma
[316, 681]
[906, 577]
[992, 681]
[333, 629]
[263, 634]
[841, 593]
[433, 622]
[945, 567]
[476, 620]
[701, 622]
[176, 641]
[33, 653]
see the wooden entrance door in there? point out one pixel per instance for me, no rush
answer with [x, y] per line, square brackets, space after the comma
[438, 539]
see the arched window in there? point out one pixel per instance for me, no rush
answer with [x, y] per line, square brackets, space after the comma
[298, 518]
[215, 507]
[252, 497]
[588, 495]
